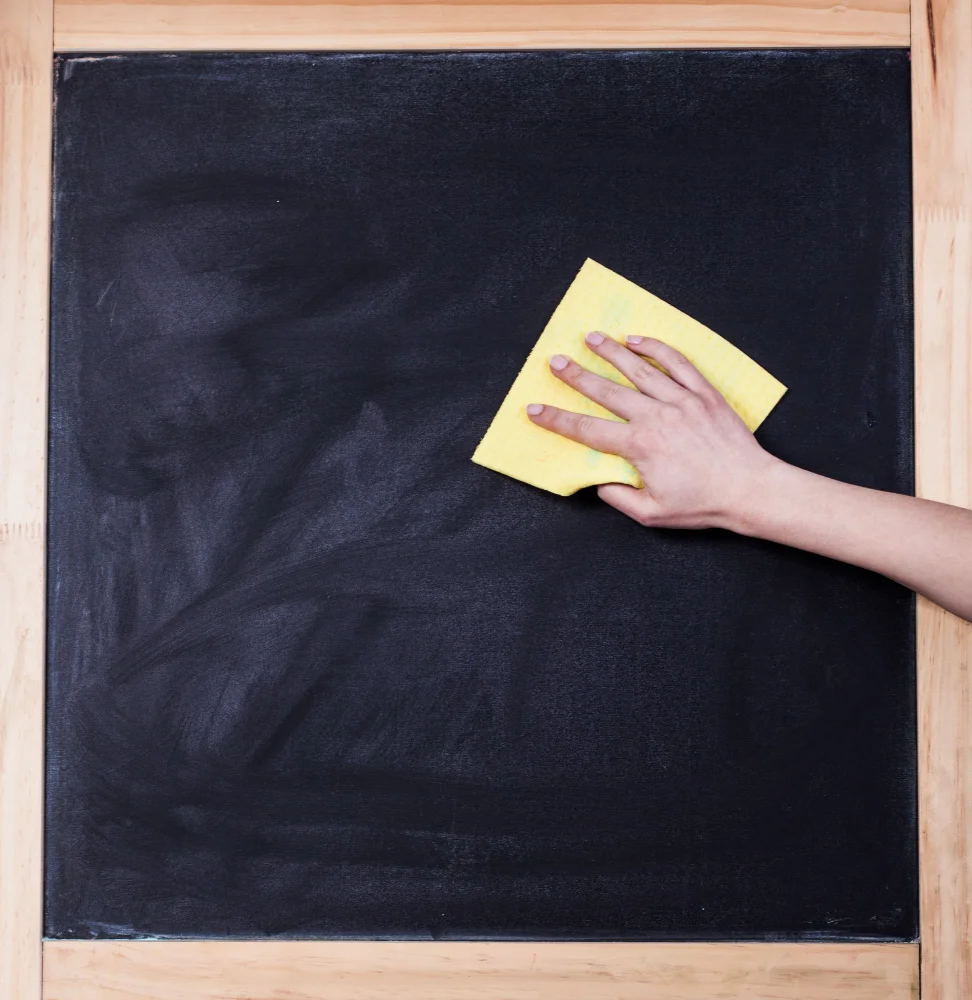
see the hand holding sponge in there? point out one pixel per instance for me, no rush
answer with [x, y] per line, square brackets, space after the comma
[598, 299]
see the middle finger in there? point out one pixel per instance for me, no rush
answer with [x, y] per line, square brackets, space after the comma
[639, 371]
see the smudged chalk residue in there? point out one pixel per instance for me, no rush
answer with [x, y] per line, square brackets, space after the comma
[311, 673]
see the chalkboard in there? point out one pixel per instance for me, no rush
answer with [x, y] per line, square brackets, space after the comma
[314, 673]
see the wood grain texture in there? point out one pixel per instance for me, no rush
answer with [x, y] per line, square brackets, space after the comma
[942, 112]
[93, 25]
[943, 142]
[207, 970]
[25, 156]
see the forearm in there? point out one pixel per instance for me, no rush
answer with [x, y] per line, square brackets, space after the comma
[924, 545]
[701, 467]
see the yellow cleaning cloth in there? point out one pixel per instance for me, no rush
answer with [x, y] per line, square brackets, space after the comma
[598, 299]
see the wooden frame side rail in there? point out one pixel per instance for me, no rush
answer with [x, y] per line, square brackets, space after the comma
[25, 194]
[941, 34]
[942, 137]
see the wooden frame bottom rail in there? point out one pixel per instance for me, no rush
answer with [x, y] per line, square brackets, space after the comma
[378, 970]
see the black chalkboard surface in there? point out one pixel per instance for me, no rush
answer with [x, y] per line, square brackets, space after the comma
[314, 673]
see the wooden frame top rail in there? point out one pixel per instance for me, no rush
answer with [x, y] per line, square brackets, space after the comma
[90, 25]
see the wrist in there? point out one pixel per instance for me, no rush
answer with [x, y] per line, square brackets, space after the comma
[762, 499]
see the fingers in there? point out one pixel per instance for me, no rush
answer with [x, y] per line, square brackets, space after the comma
[619, 399]
[597, 433]
[644, 376]
[677, 365]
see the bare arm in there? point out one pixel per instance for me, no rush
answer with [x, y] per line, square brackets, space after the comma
[703, 468]
[927, 546]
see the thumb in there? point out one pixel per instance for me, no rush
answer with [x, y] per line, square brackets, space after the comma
[636, 503]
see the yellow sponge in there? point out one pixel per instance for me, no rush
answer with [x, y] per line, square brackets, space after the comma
[598, 299]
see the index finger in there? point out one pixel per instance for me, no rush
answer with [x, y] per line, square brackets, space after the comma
[602, 435]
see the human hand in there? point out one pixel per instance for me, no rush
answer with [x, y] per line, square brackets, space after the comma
[702, 468]
[700, 464]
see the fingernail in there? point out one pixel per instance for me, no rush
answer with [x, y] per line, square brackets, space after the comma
[534, 408]
[595, 338]
[558, 362]
[634, 340]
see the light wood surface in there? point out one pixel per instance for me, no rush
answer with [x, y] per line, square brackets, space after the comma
[943, 256]
[358, 970]
[942, 114]
[124, 25]
[25, 157]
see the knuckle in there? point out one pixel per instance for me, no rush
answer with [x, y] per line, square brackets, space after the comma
[644, 372]
[611, 391]
[641, 441]
[585, 425]
[671, 415]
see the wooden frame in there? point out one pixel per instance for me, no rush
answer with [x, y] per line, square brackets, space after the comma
[940, 33]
